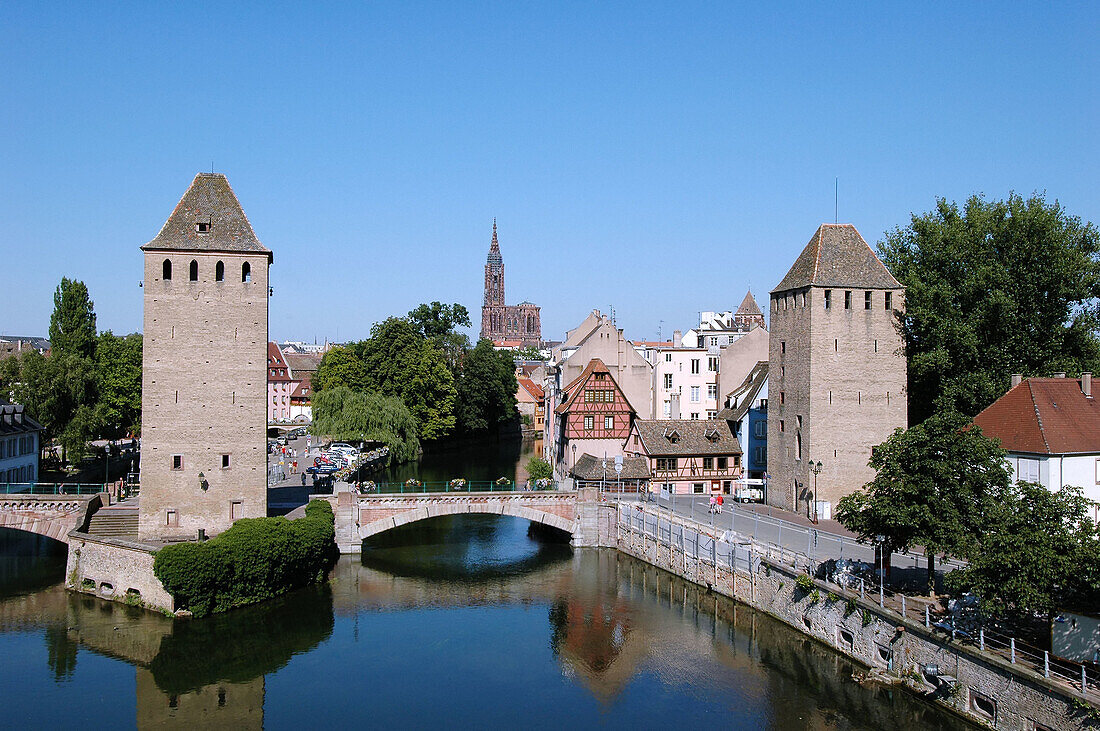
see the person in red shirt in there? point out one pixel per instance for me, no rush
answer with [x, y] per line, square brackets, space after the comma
[719, 506]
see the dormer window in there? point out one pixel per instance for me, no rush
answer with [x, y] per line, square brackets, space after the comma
[673, 436]
[204, 227]
[711, 435]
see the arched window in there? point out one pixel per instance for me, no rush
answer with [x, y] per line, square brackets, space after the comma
[219, 272]
[166, 270]
[798, 445]
[246, 272]
[193, 273]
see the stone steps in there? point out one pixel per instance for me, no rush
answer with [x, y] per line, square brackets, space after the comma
[115, 521]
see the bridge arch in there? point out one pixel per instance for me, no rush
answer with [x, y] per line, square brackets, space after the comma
[52, 516]
[437, 510]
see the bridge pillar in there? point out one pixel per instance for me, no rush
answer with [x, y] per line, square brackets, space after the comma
[597, 521]
[347, 523]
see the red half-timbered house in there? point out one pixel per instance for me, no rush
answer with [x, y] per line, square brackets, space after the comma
[687, 456]
[594, 416]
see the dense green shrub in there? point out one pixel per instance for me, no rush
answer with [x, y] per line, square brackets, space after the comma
[256, 559]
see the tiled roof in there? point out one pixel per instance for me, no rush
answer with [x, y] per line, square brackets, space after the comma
[301, 363]
[746, 392]
[595, 468]
[494, 259]
[276, 363]
[15, 420]
[674, 437]
[302, 390]
[749, 306]
[209, 201]
[574, 389]
[837, 256]
[531, 387]
[1044, 416]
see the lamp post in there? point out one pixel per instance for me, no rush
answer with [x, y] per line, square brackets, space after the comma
[815, 468]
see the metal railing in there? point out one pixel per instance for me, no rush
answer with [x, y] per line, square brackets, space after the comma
[711, 545]
[446, 486]
[52, 488]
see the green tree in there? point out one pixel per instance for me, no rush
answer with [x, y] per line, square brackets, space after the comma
[486, 389]
[343, 414]
[340, 366]
[1037, 553]
[400, 362]
[118, 382]
[539, 469]
[438, 322]
[72, 324]
[528, 352]
[996, 288]
[934, 484]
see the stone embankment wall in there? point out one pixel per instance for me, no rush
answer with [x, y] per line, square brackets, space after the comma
[981, 687]
[115, 569]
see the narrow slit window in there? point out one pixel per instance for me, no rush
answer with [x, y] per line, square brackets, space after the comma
[166, 270]
[246, 272]
[219, 272]
[193, 272]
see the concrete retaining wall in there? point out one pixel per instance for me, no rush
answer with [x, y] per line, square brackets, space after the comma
[982, 688]
[115, 569]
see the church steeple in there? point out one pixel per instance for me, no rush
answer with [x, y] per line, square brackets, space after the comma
[494, 249]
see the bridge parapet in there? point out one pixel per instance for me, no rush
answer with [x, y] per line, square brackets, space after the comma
[369, 515]
[52, 516]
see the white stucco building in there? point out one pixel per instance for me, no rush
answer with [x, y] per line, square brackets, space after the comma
[1050, 428]
[19, 445]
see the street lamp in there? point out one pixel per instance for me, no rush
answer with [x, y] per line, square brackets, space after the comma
[815, 468]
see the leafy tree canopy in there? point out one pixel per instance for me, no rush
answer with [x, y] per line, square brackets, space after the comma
[346, 415]
[400, 362]
[438, 319]
[340, 366]
[72, 324]
[539, 469]
[992, 289]
[118, 382]
[486, 388]
[1038, 552]
[934, 484]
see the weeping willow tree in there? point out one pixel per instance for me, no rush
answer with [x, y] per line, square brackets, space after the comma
[347, 415]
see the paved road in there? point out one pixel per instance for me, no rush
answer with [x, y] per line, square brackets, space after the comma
[792, 531]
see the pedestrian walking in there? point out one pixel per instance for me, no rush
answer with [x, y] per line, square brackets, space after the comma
[303, 479]
[719, 503]
[713, 503]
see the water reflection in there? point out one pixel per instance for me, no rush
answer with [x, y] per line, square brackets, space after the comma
[468, 620]
[489, 460]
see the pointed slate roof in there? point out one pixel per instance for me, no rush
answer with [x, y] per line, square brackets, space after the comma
[837, 256]
[749, 306]
[209, 201]
[746, 393]
[575, 387]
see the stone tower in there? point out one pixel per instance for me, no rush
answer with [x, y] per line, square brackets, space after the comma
[204, 379]
[837, 369]
[492, 308]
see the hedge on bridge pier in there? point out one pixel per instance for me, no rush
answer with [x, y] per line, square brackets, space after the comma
[256, 559]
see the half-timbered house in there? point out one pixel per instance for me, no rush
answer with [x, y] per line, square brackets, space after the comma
[594, 417]
[687, 456]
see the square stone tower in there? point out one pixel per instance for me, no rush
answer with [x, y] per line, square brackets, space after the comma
[204, 379]
[837, 376]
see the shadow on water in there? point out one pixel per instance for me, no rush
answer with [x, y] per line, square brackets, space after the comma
[487, 460]
[467, 548]
[29, 562]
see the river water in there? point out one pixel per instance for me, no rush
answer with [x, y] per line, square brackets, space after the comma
[464, 621]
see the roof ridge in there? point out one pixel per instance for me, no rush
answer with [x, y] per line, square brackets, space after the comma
[1038, 418]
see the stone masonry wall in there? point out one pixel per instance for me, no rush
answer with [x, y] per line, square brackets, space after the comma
[115, 569]
[204, 394]
[878, 639]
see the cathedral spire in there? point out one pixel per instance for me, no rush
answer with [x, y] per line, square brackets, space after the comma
[495, 259]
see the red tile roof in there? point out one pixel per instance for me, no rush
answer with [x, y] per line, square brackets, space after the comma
[276, 365]
[1044, 416]
[574, 389]
[532, 388]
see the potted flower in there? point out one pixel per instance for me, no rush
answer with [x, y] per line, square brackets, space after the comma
[458, 483]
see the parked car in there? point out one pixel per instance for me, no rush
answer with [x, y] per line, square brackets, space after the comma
[345, 448]
[324, 468]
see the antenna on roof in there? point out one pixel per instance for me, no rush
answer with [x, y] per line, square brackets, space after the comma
[836, 199]
[211, 167]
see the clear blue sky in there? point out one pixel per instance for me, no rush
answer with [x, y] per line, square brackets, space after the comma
[656, 157]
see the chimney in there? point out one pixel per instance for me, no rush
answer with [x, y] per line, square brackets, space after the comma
[677, 336]
[1086, 384]
[1060, 374]
[1017, 379]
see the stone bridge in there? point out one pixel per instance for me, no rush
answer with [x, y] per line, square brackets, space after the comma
[52, 516]
[359, 517]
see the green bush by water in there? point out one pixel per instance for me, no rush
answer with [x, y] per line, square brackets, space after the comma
[256, 559]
